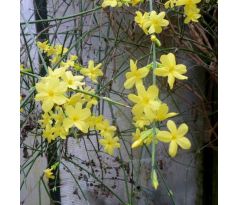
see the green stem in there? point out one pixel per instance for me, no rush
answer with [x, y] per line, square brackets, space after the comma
[103, 98]
[30, 74]
[62, 18]
[154, 82]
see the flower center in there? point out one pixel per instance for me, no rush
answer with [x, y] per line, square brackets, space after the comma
[51, 93]
[174, 137]
[75, 118]
[137, 74]
[70, 82]
[146, 100]
[171, 69]
[109, 143]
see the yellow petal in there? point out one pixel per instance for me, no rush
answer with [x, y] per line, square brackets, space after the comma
[85, 113]
[161, 71]
[149, 113]
[69, 110]
[164, 22]
[153, 92]
[141, 90]
[181, 2]
[129, 83]
[137, 110]
[171, 114]
[90, 64]
[151, 29]
[182, 129]
[168, 60]
[161, 15]
[171, 80]
[111, 3]
[133, 65]
[137, 143]
[180, 77]
[67, 123]
[47, 105]
[180, 68]
[59, 100]
[172, 126]
[164, 136]
[184, 142]
[144, 71]
[173, 147]
[81, 125]
[133, 98]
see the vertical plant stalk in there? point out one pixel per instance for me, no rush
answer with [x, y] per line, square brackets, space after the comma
[153, 169]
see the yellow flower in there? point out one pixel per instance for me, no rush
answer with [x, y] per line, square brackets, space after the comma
[192, 14]
[187, 2]
[48, 173]
[175, 137]
[56, 73]
[73, 82]
[170, 3]
[162, 113]
[51, 92]
[156, 22]
[76, 116]
[68, 63]
[92, 71]
[43, 46]
[135, 76]
[145, 101]
[142, 20]
[144, 137]
[59, 131]
[141, 120]
[46, 120]
[111, 3]
[109, 144]
[169, 68]
[106, 130]
[95, 122]
[48, 133]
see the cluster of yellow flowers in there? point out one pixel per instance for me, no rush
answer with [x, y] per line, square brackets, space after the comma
[67, 100]
[190, 9]
[151, 22]
[148, 108]
[119, 3]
